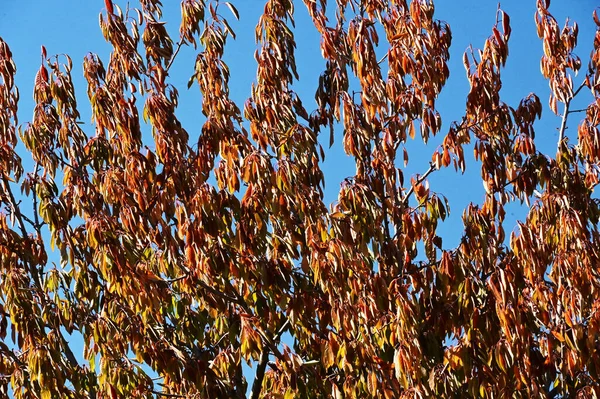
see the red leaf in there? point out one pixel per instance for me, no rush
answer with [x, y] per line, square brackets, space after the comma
[109, 6]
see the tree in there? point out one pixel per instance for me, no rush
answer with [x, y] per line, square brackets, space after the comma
[181, 261]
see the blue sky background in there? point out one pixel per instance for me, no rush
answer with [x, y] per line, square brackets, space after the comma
[71, 27]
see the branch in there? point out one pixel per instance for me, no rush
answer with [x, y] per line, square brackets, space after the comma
[174, 280]
[260, 374]
[14, 356]
[221, 295]
[13, 205]
[168, 395]
[36, 218]
[67, 350]
[420, 180]
[311, 362]
[35, 274]
[12, 202]
[28, 220]
[282, 329]
[565, 117]
[179, 44]
[264, 358]
[578, 110]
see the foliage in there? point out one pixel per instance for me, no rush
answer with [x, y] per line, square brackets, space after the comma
[182, 260]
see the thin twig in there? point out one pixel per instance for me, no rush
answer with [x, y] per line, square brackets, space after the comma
[221, 295]
[14, 357]
[13, 205]
[168, 395]
[574, 111]
[176, 279]
[28, 220]
[270, 344]
[282, 329]
[12, 202]
[420, 180]
[432, 167]
[216, 345]
[36, 217]
[179, 44]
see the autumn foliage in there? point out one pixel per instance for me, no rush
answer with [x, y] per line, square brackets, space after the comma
[178, 260]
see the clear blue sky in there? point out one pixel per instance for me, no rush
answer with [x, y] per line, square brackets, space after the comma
[71, 27]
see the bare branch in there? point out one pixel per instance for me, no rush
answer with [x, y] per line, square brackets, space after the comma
[29, 221]
[36, 218]
[179, 44]
[270, 346]
[574, 111]
[14, 206]
[168, 395]
[260, 374]
[282, 329]
[432, 167]
[565, 117]
[67, 350]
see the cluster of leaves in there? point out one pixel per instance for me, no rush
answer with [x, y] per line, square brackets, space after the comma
[162, 270]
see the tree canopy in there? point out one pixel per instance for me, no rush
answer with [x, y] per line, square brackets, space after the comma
[179, 259]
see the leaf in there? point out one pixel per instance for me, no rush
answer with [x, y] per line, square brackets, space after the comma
[335, 392]
[109, 6]
[327, 356]
[228, 28]
[505, 24]
[234, 11]
[398, 364]
[338, 215]
[372, 383]
[191, 81]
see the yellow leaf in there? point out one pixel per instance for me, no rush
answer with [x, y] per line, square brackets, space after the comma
[558, 336]
[398, 364]
[327, 356]
[338, 215]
